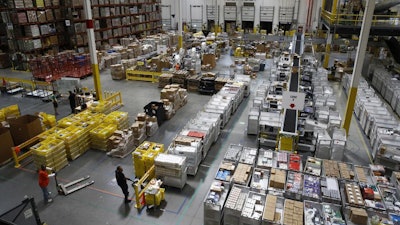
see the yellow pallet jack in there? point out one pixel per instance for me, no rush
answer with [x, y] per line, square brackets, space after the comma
[71, 187]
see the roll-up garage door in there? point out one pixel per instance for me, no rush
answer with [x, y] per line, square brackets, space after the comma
[196, 17]
[212, 16]
[266, 18]
[285, 17]
[166, 17]
[230, 16]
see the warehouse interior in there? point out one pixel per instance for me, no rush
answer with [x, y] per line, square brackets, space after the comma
[221, 112]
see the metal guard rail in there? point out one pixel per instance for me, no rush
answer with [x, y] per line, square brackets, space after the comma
[356, 19]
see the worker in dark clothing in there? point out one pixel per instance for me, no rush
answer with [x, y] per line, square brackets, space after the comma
[121, 181]
[72, 102]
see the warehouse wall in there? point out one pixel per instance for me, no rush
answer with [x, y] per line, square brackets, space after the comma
[301, 10]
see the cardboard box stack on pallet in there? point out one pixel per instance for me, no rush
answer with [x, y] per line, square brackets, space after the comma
[242, 174]
[139, 129]
[172, 169]
[118, 72]
[179, 77]
[121, 143]
[293, 212]
[175, 95]
[164, 80]
[193, 83]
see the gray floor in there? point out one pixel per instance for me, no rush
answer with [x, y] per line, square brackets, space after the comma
[102, 203]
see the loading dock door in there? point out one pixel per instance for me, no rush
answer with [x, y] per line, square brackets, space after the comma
[212, 16]
[230, 16]
[285, 17]
[248, 13]
[196, 17]
[166, 17]
[266, 18]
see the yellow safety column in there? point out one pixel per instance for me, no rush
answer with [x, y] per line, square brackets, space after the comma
[334, 7]
[362, 46]
[327, 49]
[92, 48]
[216, 19]
[180, 34]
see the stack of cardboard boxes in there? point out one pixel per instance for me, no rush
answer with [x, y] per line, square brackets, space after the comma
[164, 80]
[361, 176]
[118, 72]
[358, 216]
[193, 83]
[151, 125]
[331, 168]
[277, 179]
[345, 171]
[121, 143]
[179, 77]
[242, 174]
[293, 212]
[139, 129]
[174, 94]
[270, 213]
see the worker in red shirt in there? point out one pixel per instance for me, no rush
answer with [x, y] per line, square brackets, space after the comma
[44, 182]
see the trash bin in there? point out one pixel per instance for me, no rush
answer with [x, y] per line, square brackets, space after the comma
[156, 109]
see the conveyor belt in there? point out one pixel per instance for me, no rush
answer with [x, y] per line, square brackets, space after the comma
[290, 122]
[294, 82]
[290, 119]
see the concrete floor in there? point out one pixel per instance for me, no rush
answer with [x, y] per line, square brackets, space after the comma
[102, 203]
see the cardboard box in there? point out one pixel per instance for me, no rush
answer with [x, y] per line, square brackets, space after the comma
[6, 144]
[24, 128]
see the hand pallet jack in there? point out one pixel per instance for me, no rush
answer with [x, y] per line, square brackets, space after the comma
[75, 185]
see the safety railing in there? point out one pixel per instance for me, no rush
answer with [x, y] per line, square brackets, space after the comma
[115, 98]
[22, 151]
[356, 19]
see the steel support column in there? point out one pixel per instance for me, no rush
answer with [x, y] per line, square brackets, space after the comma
[327, 49]
[180, 34]
[92, 48]
[362, 46]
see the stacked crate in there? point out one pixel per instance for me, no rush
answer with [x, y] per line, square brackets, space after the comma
[179, 77]
[99, 136]
[51, 153]
[119, 118]
[101, 107]
[164, 80]
[144, 155]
